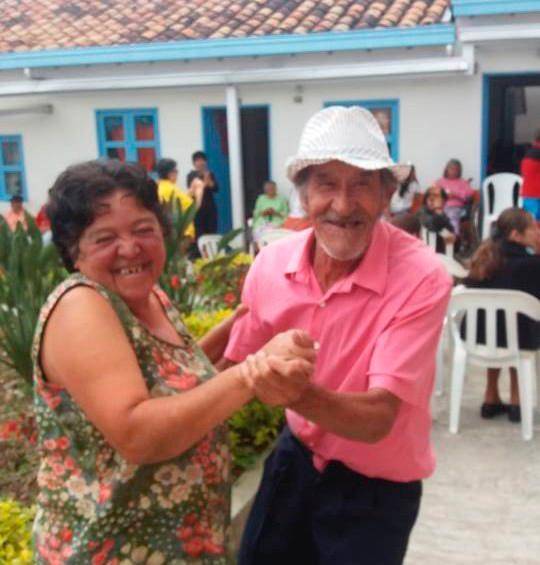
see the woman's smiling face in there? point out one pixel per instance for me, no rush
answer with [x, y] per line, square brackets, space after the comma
[123, 249]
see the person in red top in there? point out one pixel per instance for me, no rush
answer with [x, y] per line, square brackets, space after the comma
[530, 171]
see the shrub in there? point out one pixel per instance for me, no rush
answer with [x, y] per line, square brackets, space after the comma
[15, 533]
[29, 271]
[200, 323]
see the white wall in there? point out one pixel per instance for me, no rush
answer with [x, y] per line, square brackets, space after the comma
[440, 118]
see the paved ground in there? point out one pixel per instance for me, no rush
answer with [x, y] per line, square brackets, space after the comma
[482, 506]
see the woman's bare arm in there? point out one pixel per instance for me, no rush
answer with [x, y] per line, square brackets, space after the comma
[86, 350]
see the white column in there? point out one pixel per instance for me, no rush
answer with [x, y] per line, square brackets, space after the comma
[234, 135]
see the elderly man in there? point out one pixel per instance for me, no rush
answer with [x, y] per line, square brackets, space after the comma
[343, 484]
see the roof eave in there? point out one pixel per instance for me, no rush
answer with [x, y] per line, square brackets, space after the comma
[381, 38]
[492, 7]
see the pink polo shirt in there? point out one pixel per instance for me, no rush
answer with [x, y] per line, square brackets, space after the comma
[377, 328]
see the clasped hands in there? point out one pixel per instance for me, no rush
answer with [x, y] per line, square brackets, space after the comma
[279, 374]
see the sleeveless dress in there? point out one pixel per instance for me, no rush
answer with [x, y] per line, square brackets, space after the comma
[93, 506]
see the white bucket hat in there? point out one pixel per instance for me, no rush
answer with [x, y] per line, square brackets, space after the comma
[349, 134]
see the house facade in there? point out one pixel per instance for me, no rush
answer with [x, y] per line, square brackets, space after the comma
[444, 79]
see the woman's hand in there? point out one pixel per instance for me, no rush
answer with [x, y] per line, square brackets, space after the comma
[275, 380]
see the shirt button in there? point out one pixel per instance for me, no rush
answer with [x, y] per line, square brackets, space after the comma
[322, 303]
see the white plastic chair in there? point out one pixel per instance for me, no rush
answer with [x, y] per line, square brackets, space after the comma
[453, 268]
[272, 235]
[468, 302]
[208, 245]
[430, 239]
[499, 192]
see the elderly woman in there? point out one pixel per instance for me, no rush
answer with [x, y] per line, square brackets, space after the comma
[270, 210]
[135, 460]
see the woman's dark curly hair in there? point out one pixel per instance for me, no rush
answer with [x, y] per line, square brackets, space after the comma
[74, 197]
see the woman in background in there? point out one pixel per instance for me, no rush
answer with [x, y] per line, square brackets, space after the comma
[508, 260]
[407, 196]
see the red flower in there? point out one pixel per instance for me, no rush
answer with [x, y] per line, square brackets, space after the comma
[175, 281]
[62, 442]
[190, 519]
[194, 547]
[229, 298]
[105, 492]
[185, 533]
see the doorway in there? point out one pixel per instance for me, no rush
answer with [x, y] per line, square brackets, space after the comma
[511, 112]
[255, 131]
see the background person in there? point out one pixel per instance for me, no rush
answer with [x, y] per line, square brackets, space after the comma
[206, 220]
[508, 260]
[530, 171]
[433, 217]
[16, 214]
[270, 210]
[407, 197]
[168, 190]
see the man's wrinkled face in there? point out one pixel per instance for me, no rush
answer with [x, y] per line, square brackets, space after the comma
[344, 203]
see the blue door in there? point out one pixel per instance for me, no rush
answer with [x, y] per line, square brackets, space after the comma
[254, 124]
[217, 150]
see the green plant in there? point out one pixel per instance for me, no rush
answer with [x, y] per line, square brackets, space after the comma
[210, 284]
[251, 431]
[30, 270]
[220, 280]
[15, 533]
[200, 323]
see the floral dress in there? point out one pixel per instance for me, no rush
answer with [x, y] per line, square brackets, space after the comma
[93, 506]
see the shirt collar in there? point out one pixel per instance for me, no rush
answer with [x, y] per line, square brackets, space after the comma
[371, 273]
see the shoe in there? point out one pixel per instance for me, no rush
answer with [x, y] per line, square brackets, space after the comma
[514, 413]
[488, 411]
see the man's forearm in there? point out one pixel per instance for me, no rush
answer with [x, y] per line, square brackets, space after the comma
[363, 416]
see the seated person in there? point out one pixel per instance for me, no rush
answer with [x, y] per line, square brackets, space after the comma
[407, 222]
[507, 260]
[433, 217]
[270, 210]
[462, 201]
[407, 197]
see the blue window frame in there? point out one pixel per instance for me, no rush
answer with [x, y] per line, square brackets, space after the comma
[386, 112]
[12, 176]
[129, 135]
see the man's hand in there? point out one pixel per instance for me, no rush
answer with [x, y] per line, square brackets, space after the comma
[275, 380]
[292, 344]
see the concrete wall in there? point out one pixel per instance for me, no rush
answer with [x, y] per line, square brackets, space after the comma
[440, 118]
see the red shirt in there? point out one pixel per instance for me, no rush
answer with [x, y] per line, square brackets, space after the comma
[530, 171]
[377, 328]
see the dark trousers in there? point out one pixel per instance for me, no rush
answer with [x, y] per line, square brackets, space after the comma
[338, 517]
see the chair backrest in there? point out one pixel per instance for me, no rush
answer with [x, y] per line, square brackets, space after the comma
[272, 235]
[453, 267]
[430, 239]
[467, 302]
[500, 191]
[208, 245]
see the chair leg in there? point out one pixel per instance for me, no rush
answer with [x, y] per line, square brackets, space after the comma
[525, 376]
[456, 391]
[439, 367]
